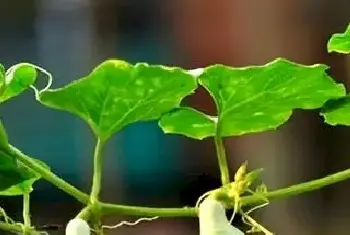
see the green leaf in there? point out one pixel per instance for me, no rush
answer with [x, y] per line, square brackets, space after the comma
[20, 78]
[15, 178]
[254, 98]
[29, 177]
[337, 112]
[259, 98]
[179, 120]
[340, 42]
[117, 93]
[10, 173]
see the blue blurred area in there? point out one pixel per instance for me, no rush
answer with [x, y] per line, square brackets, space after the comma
[55, 137]
[147, 152]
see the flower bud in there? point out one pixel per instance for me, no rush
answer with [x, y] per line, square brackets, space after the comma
[77, 226]
[213, 220]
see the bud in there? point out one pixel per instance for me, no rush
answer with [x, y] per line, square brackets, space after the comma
[241, 172]
[213, 220]
[77, 226]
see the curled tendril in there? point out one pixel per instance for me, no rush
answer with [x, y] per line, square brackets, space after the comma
[7, 219]
[128, 223]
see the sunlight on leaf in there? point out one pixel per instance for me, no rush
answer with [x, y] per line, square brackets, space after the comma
[19, 79]
[188, 122]
[340, 42]
[117, 93]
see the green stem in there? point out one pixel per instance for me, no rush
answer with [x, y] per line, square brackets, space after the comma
[221, 154]
[16, 228]
[299, 188]
[48, 175]
[246, 200]
[108, 208]
[97, 176]
[84, 213]
[94, 212]
[26, 213]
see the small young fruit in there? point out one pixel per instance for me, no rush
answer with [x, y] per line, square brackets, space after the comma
[213, 220]
[77, 226]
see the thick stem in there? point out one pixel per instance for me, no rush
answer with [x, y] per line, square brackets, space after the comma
[221, 154]
[48, 175]
[95, 209]
[84, 213]
[26, 213]
[97, 176]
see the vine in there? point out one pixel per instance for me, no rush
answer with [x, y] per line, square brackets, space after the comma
[116, 93]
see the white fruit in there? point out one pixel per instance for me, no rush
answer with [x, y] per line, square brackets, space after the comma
[213, 220]
[77, 226]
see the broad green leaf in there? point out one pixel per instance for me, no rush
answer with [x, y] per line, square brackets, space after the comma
[340, 42]
[179, 120]
[20, 78]
[255, 98]
[259, 98]
[26, 185]
[337, 112]
[117, 93]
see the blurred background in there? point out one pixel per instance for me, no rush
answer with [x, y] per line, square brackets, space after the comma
[142, 165]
